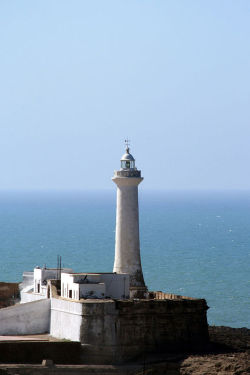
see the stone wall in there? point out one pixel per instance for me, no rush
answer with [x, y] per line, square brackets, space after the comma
[155, 325]
[117, 331]
[121, 330]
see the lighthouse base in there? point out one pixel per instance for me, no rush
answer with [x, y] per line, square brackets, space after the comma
[140, 292]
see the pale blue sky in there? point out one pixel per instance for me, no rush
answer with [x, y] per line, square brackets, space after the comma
[77, 77]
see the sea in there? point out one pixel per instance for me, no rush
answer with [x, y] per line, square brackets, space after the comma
[194, 244]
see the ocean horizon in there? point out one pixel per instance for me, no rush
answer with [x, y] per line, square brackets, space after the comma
[193, 243]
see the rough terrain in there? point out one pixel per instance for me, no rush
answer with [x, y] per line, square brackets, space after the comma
[227, 354]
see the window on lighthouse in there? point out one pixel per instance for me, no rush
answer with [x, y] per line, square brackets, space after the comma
[126, 164]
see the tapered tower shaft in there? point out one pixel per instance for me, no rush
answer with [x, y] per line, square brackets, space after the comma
[127, 242]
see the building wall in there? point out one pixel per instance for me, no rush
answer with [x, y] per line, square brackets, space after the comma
[86, 285]
[66, 319]
[26, 319]
[116, 331]
[30, 297]
[92, 290]
[28, 279]
[155, 325]
[117, 285]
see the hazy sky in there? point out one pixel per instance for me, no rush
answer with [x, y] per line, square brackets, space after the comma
[77, 77]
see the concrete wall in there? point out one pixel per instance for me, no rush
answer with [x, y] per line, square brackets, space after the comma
[28, 278]
[66, 319]
[117, 331]
[92, 290]
[30, 297]
[117, 285]
[26, 319]
[30, 352]
[127, 241]
[155, 325]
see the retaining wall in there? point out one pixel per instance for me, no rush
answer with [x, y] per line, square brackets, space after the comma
[117, 331]
[36, 351]
[26, 319]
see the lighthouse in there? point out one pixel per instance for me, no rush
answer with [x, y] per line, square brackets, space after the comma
[127, 239]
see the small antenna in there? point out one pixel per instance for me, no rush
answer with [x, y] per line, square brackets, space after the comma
[127, 143]
[59, 267]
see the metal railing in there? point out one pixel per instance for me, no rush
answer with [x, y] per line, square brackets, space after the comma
[127, 173]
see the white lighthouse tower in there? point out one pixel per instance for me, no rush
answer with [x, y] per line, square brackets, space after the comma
[127, 241]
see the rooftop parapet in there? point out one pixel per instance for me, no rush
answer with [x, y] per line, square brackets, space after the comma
[127, 173]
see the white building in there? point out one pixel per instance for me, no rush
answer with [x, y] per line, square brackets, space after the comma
[94, 285]
[76, 286]
[35, 286]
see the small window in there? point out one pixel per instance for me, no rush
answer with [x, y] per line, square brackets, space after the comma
[123, 164]
[70, 293]
[127, 164]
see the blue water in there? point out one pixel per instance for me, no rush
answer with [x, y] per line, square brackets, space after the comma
[193, 244]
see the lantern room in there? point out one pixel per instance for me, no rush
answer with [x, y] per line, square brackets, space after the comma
[127, 160]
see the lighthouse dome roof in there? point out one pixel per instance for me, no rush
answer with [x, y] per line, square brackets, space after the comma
[127, 156]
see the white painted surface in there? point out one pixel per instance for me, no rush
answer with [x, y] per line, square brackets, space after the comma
[30, 297]
[127, 242]
[92, 290]
[117, 285]
[66, 319]
[98, 285]
[91, 322]
[28, 279]
[26, 319]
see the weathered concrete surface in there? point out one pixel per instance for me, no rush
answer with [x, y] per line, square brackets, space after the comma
[24, 319]
[127, 241]
[121, 330]
[9, 294]
[36, 351]
[116, 331]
